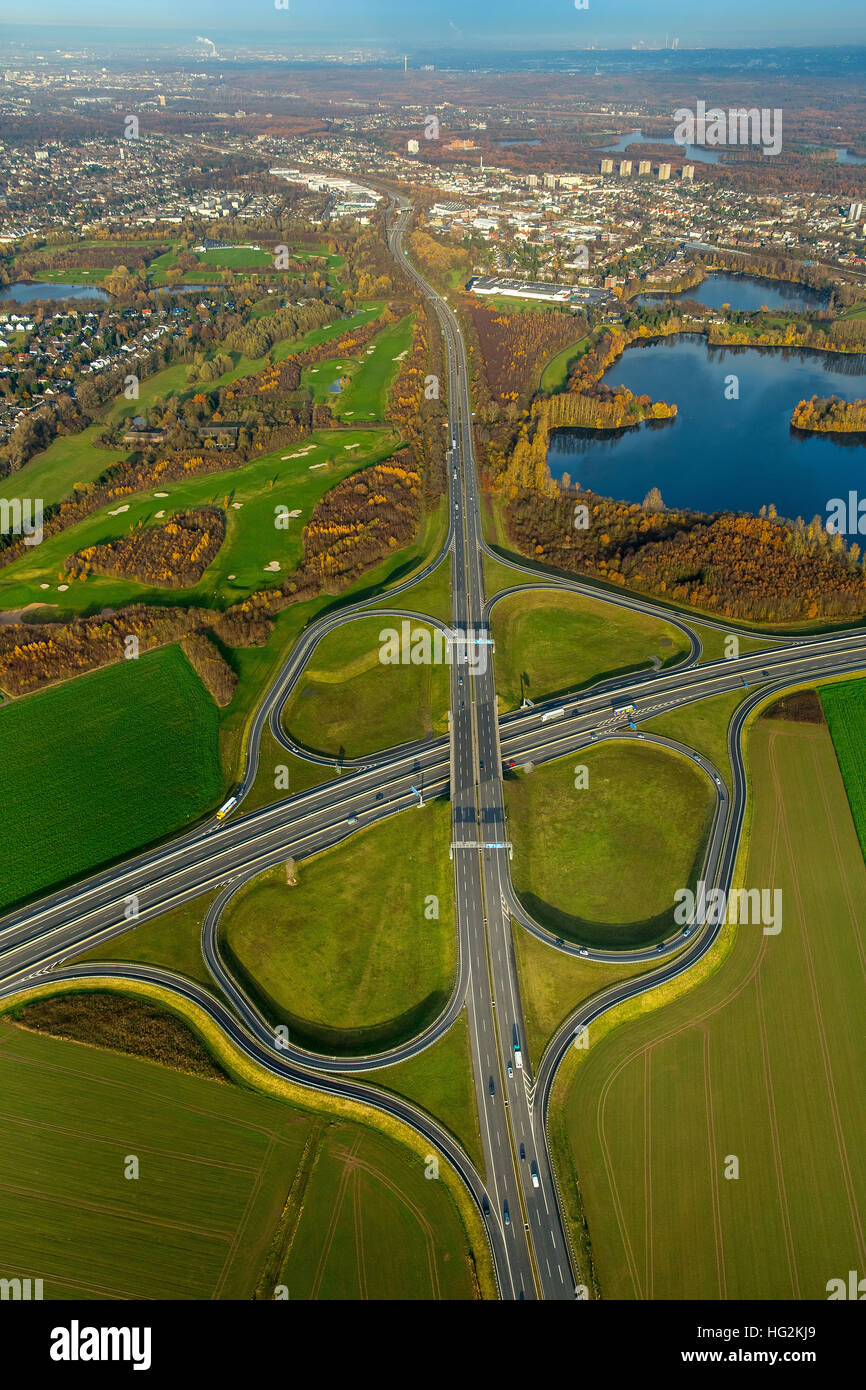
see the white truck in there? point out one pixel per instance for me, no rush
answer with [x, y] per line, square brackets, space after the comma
[552, 714]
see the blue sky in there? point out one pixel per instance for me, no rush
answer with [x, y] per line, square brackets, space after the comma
[487, 23]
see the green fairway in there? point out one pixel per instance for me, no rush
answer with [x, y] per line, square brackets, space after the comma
[348, 703]
[254, 554]
[347, 958]
[231, 1187]
[369, 374]
[600, 864]
[97, 767]
[845, 710]
[234, 257]
[548, 643]
[75, 458]
[555, 375]
[762, 1063]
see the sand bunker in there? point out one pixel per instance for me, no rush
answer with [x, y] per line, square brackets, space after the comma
[117, 511]
[274, 565]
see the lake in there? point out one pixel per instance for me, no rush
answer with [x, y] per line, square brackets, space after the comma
[745, 292]
[718, 453]
[23, 293]
[698, 154]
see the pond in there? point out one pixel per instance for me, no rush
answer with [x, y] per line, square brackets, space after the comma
[744, 292]
[722, 453]
[24, 293]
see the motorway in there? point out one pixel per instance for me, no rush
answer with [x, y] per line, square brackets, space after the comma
[530, 1248]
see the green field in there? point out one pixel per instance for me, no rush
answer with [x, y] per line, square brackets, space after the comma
[294, 478]
[373, 1227]
[762, 1061]
[555, 375]
[600, 864]
[97, 767]
[370, 373]
[548, 643]
[233, 257]
[845, 711]
[701, 725]
[553, 984]
[439, 1079]
[348, 703]
[236, 1191]
[73, 459]
[347, 958]
[172, 940]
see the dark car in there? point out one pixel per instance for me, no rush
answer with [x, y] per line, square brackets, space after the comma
[492, 1087]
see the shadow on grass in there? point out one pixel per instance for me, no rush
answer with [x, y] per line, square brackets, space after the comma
[339, 1042]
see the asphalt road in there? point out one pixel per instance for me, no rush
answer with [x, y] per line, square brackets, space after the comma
[530, 1249]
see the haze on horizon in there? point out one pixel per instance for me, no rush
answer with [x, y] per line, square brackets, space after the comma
[470, 24]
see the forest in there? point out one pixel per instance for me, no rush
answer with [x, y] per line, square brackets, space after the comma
[174, 555]
[830, 415]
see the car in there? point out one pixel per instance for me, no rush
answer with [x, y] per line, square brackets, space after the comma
[378, 796]
[583, 951]
[510, 1070]
[533, 1173]
[460, 678]
[511, 762]
[559, 941]
[718, 781]
[485, 1204]
[492, 1087]
[352, 820]
[660, 946]
[641, 735]
[505, 1214]
[522, 1151]
[594, 738]
[481, 763]
[687, 931]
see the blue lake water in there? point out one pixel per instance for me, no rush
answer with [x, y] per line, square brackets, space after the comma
[745, 292]
[719, 453]
[22, 293]
[699, 154]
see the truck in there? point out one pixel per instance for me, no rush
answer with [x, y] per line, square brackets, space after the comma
[226, 807]
[552, 714]
[623, 711]
[518, 1055]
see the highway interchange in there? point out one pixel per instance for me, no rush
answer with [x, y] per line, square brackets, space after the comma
[530, 1248]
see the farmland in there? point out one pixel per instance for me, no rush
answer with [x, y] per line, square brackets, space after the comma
[349, 958]
[598, 864]
[130, 753]
[548, 643]
[235, 1191]
[845, 711]
[760, 1063]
